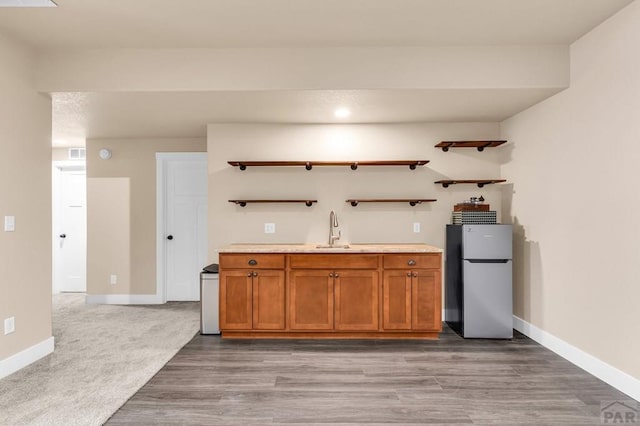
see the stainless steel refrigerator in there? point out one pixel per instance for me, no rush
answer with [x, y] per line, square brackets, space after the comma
[478, 290]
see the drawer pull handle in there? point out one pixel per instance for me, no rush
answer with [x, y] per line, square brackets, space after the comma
[252, 262]
[411, 262]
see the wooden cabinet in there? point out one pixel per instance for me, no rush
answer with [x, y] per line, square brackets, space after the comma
[311, 300]
[236, 312]
[251, 261]
[330, 295]
[356, 298]
[252, 299]
[268, 300]
[341, 295]
[426, 301]
[396, 305]
[412, 292]
[326, 300]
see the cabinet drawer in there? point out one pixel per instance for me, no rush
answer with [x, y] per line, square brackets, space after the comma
[251, 261]
[334, 261]
[412, 261]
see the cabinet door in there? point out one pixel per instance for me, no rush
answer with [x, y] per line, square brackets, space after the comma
[426, 300]
[396, 306]
[310, 300]
[268, 300]
[235, 300]
[357, 306]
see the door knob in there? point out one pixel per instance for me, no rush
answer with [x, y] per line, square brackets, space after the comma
[63, 235]
[170, 237]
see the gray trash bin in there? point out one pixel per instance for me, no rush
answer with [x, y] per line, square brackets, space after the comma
[209, 285]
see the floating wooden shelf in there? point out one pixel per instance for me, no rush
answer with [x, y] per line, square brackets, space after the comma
[479, 145]
[243, 203]
[479, 182]
[309, 164]
[411, 201]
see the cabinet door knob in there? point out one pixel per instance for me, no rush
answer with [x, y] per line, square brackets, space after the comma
[255, 274]
[252, 262]
[249, 274]
[415, 274]
[337, 275]
[411, 262]
[331, 274]
[408, 274]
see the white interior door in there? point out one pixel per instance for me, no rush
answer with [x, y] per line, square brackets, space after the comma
[185, 229]
[70, 229]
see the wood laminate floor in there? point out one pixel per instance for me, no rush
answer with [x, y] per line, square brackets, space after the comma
[448, 381]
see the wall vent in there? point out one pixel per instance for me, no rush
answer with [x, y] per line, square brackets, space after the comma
[77, 153]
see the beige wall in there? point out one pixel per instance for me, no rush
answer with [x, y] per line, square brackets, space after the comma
[109, 235]
[331, 186]
[60, 154]
[25, 192]
[575, 199]
[121, 212]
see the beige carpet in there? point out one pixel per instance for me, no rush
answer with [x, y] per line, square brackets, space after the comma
[103, 355]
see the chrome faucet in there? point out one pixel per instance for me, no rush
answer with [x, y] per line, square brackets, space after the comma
[333, 224]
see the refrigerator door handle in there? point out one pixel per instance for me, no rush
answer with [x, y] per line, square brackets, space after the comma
[487, 260]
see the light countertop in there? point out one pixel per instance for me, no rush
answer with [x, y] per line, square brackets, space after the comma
[315, 248]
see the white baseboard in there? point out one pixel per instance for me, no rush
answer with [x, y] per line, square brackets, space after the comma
[23, 358]
[124, 299]
[605, 372]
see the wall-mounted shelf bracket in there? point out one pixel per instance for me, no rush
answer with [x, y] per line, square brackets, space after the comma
[479, 182]
[243, 203]
[479, 145]
[412, 201]
[308, 165]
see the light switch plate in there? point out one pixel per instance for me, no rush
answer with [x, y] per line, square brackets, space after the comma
[9, 223]
[9, 325]
[113, 279]
[269, 228]
[416, 227]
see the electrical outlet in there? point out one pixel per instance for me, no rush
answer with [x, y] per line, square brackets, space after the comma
[113, 279]
[9, 325]
[269, 228]
[9, 223]
[416, 227]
